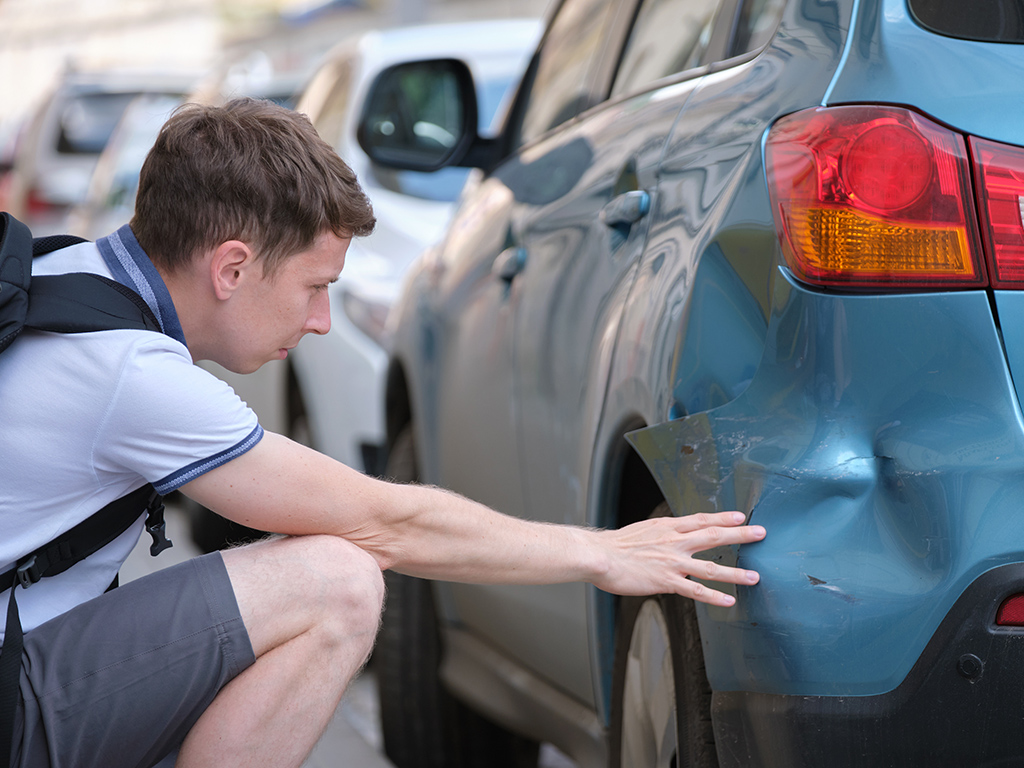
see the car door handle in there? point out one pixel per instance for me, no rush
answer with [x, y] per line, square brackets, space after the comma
[624, 210]
[509, 263]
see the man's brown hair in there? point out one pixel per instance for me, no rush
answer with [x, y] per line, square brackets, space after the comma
[249, 170]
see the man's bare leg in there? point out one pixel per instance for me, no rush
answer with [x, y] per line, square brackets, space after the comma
[311, 606]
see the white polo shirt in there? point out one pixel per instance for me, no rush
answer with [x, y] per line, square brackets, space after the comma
[86, 418]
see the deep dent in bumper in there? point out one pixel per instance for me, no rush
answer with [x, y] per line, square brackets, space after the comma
[880, 443]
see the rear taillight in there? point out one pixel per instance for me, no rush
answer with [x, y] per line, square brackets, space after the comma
[999, 175]
[1011, 612]
[873, 197]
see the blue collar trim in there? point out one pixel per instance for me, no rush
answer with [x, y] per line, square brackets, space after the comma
[131, 267]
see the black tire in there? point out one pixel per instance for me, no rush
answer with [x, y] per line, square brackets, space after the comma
[422, 724]
[211, 532]
[646, 628]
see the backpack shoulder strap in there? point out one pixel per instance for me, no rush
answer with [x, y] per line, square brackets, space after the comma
[81, 302]
[15, 276]
[72, 303]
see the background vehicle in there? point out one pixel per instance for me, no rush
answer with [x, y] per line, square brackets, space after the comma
[775, 246]
[62, 142]
[339, 377]
[109, 201]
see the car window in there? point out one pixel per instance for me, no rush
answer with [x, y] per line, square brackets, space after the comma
[559, 88]
[87, 120]
[668, 36]
[757, 24]
[999, 21]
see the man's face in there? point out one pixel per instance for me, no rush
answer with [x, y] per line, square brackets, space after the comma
[276, 311]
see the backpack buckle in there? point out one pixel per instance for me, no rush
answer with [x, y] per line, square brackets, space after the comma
[156, 526]
[28, 572]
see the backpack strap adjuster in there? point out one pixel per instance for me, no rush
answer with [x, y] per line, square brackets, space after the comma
[28, 572]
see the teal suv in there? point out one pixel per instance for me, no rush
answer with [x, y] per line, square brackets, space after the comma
[764, 255]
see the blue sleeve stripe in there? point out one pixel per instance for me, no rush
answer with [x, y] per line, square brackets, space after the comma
[177, 479]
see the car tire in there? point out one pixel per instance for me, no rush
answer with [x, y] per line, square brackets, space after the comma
[424, 726]
[661, 698]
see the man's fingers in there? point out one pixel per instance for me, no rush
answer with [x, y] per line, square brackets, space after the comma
[715, 536]
[701, 520]
[705, 569]
[704, 594]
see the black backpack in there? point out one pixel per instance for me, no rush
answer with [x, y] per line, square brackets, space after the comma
[72, 303]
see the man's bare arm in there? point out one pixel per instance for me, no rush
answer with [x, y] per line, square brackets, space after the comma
[283, 487]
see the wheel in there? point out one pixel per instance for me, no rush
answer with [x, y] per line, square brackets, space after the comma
[299, 428]
[211, 532]
[661, 705]
[423, 725]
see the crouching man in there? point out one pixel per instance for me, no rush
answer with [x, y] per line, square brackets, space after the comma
[243, 219]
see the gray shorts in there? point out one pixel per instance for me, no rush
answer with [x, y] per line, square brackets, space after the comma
[120, 680]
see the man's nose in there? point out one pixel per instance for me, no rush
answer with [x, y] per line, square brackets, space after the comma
[319, 320]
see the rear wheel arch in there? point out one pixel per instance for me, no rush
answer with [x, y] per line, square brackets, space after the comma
[629, 493]
[626, 493]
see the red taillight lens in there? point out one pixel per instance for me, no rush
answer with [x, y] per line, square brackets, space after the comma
[999, 174]
[873, 197]
[1011, 612]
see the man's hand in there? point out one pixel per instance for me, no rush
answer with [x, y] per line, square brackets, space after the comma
[656, 556]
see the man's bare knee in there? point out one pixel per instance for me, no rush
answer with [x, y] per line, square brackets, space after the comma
[292, 585]
[352, 582]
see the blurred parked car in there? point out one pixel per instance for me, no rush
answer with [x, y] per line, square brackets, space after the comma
[61, 144]
[109, 201]
[762, 255]
[339, 377]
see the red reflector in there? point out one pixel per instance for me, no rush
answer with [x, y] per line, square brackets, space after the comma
[875, 197]
[999, 172]
[1011, 612]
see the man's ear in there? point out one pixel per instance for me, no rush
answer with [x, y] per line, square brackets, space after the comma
[229, 266]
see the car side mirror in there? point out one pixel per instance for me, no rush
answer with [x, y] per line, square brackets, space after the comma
[420, 116]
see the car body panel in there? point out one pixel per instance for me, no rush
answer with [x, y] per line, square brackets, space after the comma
[694, 325]
[557, 350]
[341, 377]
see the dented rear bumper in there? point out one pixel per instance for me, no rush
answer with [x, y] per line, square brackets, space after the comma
[881, 445]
